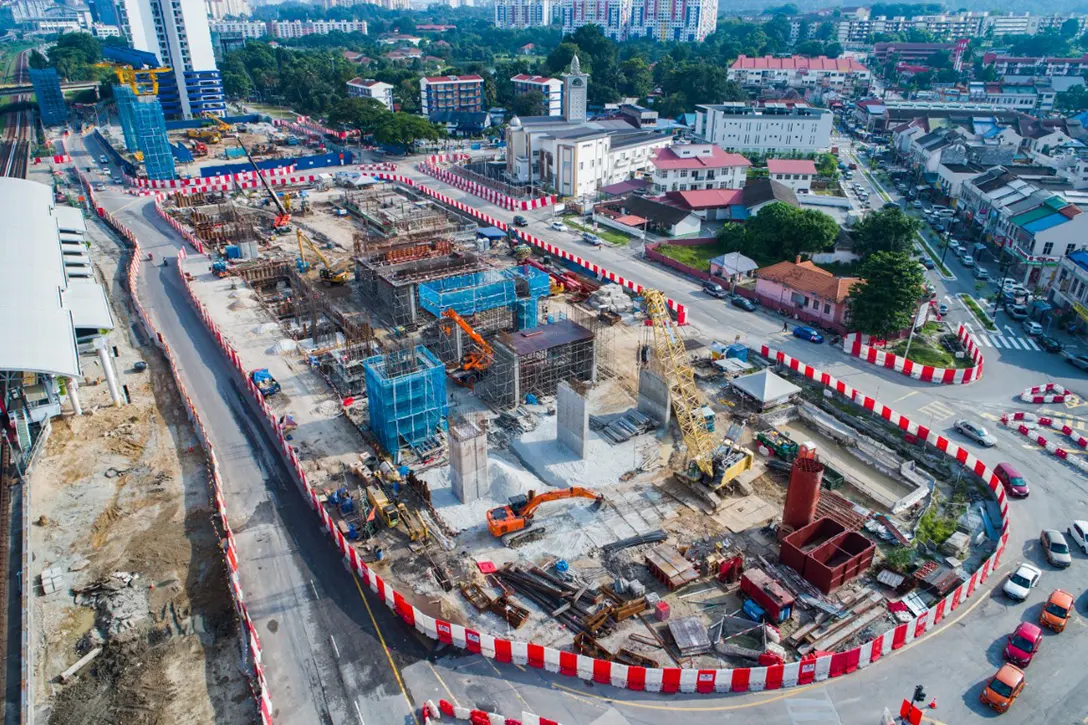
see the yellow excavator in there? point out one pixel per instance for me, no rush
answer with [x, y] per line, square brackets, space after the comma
[222, 126]
[328, 273]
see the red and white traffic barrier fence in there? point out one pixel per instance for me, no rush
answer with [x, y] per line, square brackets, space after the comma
[854, 344]
[595, 269]
[670, 679]
[386, 166]
[1049, 393]
[1028, 426]
[452, 158]
[225, 181]
[479, 717]
[187, 235]
[308, 127]
[250, 640]
[486, 192]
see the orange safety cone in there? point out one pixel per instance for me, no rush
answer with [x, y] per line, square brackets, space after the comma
[933, 704]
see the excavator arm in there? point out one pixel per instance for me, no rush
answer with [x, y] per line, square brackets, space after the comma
[512, 523]
[487, 354]
[336, 276]
[543, 498]
[285, 216]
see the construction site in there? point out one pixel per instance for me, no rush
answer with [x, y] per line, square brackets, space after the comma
[514, 444]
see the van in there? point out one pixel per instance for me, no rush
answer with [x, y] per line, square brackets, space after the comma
[1014, 483]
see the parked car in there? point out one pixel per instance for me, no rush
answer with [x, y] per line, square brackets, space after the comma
[1057, 610]
[1055, 548]
[591, 238]
[1023, 644]
[942, 309]
[975, 432]
[715, 290]
[1078, 532]
[807, 333]
[742, 302]
[1033, 328]
[1014, 483]
[1021, 582]
[981, 273]
[1003, 688]
[559, 226]
[1016, 312]
[927, 262]
[520, 221]
[1049, 343]
[1078, 361]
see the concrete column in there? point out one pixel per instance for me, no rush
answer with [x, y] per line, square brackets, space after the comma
[469, 477]
[654, 398]
[73, 395]
[572, 419]
[107, 370]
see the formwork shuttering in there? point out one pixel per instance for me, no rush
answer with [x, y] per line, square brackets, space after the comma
[391, 289]
[482, 291]
[126, 99]
[406, 399]
[151, 137]
[396, 213]
[51, 105]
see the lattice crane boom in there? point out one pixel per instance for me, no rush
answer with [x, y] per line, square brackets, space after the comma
[687, 401]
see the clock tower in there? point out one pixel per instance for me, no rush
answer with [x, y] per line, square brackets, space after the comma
[575, 86]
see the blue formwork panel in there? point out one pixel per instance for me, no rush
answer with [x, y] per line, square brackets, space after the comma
[539, 282]
[527, 312]
[468, 294]
[406, 394]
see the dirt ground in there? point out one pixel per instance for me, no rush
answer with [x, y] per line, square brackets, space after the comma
[121, 507]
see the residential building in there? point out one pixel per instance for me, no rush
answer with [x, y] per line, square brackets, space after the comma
[550, 88]
[1071, 285]
[693, 167]
[219, 9]
[877, 115]
[99, 30]
[370, 88]
[797, 174]
[404, 55]
[573, 155]
[286, 29]
[461, 123]
[177, 33]
[398, 39]
[813, 294]
[54, 313]
[914, 53]
[764, 192]
[711, 204]
[653, 215]
[1036, 226]
[523, 13]
[688, 22]
[861, 25]
[843, 75]
[766, 128]
[451, 93]
[1005, 65]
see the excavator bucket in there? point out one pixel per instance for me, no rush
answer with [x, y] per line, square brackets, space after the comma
[598, 504]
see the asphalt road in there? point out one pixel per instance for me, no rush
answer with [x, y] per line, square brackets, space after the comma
[952, 662]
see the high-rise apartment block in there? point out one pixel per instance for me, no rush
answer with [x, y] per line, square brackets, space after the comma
[550, 88]
[177, 33]
[451, 93]
[370, 88]
[523, 13]
[662, 20]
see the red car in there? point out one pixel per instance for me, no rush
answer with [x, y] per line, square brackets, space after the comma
[1023, 644]
[1015, 484]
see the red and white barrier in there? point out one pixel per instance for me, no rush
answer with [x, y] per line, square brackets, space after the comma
[597, 270]
[224, 182]
[1028, 425]
[251, 642]
[306, 126]
[486, 192]
[1049, 393]
[482, 717]
[387, 166]
[853, 345]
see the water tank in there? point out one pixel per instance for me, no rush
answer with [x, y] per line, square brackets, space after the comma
[803, 492]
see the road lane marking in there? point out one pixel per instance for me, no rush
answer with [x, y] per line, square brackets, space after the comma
[512, 688]
[1033, 345]
[999, 341]
[913, 392]
[984, 340]
[335, 649]
[937, 411]
[1013, 343]
[442, 682]
[385, 648]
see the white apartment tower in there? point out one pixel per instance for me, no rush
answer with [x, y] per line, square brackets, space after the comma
[663, 20]
[177, 33]
[523, 13]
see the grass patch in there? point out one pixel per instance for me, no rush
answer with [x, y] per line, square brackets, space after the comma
[933, 527]
[978, 312]
[926, 351]
[698, 257]
[612, 236]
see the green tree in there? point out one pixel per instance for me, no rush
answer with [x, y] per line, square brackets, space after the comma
[37, 60]
[530, 103]
[637, 79]
[362, 114]
[888, 230]
[886, 299]
[405, 129]
[1072, 101]
[827, 166]
[783, 232]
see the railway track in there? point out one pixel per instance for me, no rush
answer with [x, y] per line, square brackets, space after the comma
[15, 145]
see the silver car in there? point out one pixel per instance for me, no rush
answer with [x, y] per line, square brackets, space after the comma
[1055, 548]
[975, 432]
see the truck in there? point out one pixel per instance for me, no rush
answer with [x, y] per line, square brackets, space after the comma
[266, 384]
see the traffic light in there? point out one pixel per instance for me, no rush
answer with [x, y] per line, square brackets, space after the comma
[919, 694]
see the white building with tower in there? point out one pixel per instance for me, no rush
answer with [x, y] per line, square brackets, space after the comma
[177, 33]
[573, 155]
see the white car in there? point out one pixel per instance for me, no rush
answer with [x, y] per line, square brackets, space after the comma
[559, 226]
[1078, 533]
[1021, 582]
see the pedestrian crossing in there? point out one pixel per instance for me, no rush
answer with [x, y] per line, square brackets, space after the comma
[812, 711]
[1007, 342]
[936, 411]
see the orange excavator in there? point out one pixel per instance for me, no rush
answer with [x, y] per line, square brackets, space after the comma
[474, 362]
[513, 523]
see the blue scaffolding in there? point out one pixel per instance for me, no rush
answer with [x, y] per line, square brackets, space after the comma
[51, 105]
[151, 137]
[468, 294]
[126, 99]
[406, 396]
